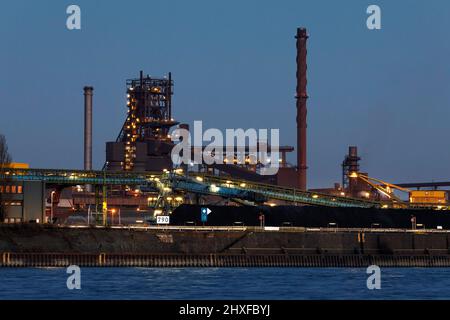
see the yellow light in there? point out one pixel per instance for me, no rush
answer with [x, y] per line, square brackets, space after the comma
[343, 194]
[158, 211]
[179, 199]
[353, 175]
[199, 179]
[272, 204]
[315, 196]
[169, 198]
[242, 185]
[384, 206]
[229, 181]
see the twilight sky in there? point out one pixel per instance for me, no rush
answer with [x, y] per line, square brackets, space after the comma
[233, 63]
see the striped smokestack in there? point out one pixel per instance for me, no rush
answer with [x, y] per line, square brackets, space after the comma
[88, 92]
[301, 97]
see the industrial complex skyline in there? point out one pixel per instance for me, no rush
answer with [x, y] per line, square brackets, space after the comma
[233, 66]
[161, 138]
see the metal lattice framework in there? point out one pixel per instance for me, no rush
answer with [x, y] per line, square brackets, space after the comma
[241, 189]
[149, 102]
[75, 177]
[166, 182]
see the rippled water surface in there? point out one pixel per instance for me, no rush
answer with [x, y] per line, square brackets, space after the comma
[224, 283]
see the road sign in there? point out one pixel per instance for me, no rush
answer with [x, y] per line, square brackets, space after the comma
[162, 219]
[204, 214]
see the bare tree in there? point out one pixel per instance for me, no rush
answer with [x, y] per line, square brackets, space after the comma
[5, 160]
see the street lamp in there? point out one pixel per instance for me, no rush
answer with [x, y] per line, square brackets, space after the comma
[113, 212]
[104, 191]
[51, 206]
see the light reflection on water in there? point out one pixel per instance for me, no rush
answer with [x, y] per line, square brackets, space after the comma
[224, 283]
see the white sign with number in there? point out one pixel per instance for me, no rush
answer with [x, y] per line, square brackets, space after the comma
[162, 219]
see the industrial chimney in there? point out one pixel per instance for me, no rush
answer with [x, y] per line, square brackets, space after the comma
[301, 97]
[88, 91]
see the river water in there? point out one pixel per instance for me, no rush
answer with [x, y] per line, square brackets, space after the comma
[224, 283]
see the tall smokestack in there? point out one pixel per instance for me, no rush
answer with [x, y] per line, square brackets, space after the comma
[88, 92]
[301, 97]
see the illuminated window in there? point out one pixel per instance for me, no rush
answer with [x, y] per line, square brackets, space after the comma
[1, 189]
[7, 189]
[13, 189]
[19, 189]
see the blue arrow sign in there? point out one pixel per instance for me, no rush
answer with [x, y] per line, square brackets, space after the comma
[204, 214]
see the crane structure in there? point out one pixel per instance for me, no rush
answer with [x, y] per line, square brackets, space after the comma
[421, 198]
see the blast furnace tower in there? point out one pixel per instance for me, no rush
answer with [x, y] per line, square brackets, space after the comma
[144, 143]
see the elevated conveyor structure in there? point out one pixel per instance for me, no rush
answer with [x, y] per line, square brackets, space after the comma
[241, 189]
[189, 183]
[75, 177]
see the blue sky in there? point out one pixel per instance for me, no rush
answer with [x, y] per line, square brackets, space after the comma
[233, 63]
